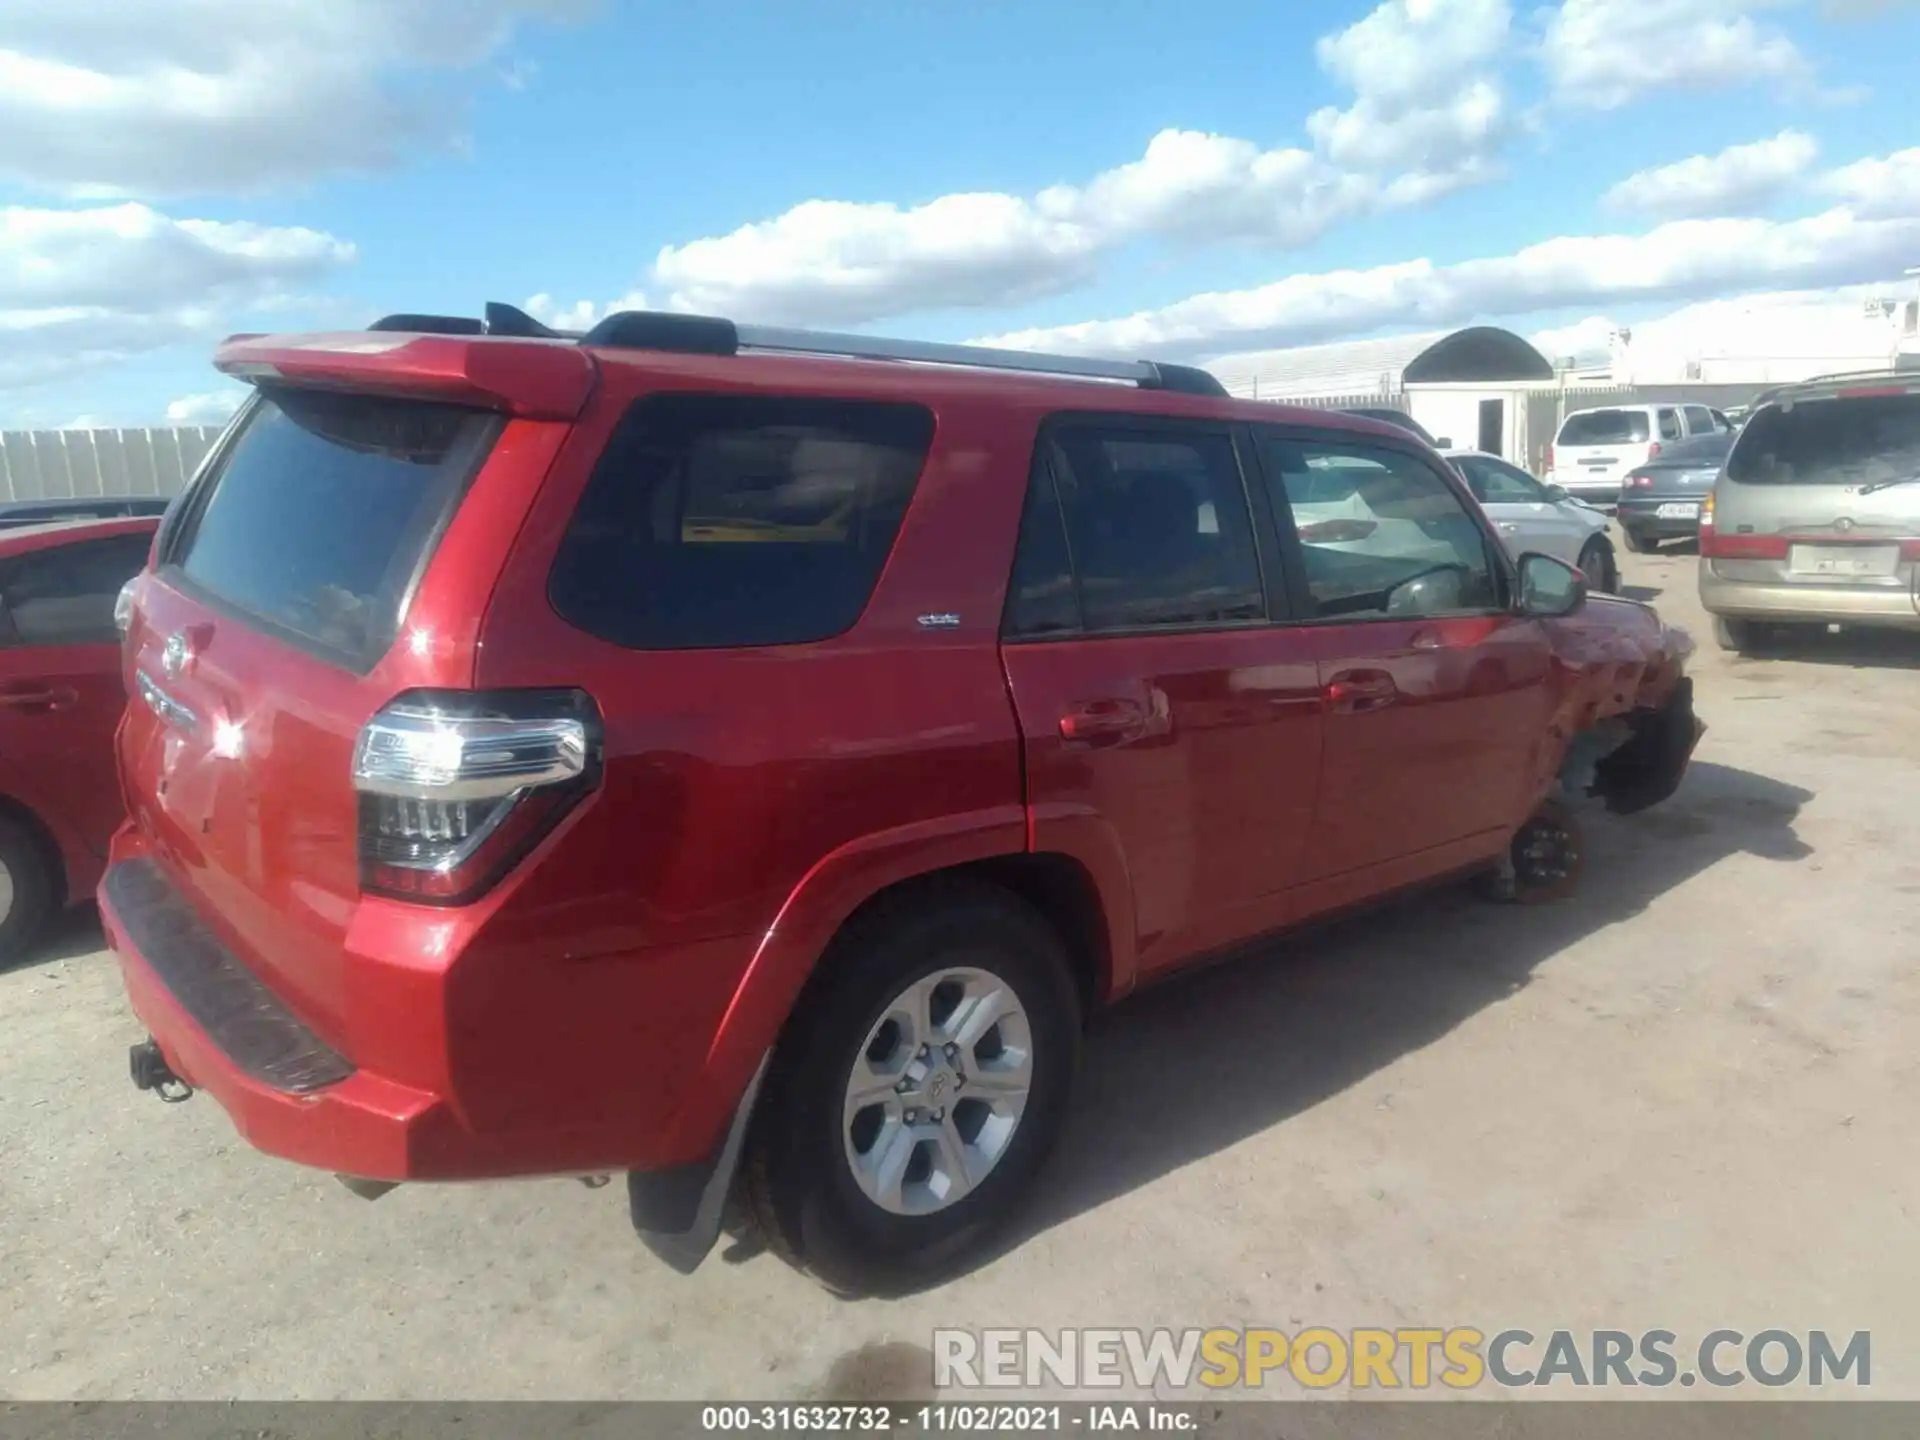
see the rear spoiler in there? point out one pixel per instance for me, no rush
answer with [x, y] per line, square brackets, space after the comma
[535, 379]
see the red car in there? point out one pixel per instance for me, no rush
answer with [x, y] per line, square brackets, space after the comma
[60, 699]
[743, 758]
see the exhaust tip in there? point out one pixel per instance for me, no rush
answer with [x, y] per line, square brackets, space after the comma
[367, 1189]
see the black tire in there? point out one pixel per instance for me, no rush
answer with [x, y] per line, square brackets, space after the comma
[1741, 637]
[1639, 542]
[797, 1186]
[1600, 568]
[26, 893]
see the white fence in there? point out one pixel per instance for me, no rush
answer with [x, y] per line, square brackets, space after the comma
[64, 464]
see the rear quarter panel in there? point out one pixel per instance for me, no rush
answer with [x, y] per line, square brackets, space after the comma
[754, 798]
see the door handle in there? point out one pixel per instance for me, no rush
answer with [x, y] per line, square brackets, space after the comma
[53, 698]
[1355, 691]
[1509, 527]
[1104, 720]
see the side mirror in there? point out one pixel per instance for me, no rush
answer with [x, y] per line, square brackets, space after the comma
[1556, 494]
[1550, 587]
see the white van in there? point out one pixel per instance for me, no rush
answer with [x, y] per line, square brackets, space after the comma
[1595, 449]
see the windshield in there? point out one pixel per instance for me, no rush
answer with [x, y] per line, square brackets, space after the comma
[1863, 440]
[1606, 427]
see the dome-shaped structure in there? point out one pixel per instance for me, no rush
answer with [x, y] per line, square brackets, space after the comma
[1480, 354]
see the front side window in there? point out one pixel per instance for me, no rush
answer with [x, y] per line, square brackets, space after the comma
[1669, 424]
[64, 595]
[722, 521]
[1700, 420]
[1370, 522]
[1158, 527]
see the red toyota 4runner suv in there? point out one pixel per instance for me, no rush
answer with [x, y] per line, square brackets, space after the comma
[742, 758]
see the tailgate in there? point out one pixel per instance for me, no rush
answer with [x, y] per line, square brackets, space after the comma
[284, 610]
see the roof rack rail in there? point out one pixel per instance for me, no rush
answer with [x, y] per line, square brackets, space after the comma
[707, 335]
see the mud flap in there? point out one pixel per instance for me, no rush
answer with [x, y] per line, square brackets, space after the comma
[1648, 768]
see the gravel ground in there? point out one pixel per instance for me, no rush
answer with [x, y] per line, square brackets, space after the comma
[1672, 1101]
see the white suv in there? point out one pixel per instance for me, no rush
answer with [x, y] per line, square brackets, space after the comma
[1595, 449]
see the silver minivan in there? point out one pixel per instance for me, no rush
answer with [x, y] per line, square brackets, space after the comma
[1815, 518]
[1593, 450]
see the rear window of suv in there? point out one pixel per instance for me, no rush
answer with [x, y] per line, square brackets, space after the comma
[718, 521]
[1852, 441]
[322, 513]
[1606, 427]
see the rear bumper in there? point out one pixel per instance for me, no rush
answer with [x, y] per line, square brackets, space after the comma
[1885, 606]
[223, 1031]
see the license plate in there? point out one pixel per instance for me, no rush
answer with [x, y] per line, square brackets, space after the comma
[1678, 512]
[1599, 464]
[1851, 561]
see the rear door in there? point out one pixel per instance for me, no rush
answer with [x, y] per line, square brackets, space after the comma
[1155, 689]
[1825, 493]
[1436, 693]
[60, 687]
[1595, 449]
[282, 612]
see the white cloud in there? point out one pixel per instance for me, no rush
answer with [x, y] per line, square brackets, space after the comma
[1603, 54]
[580, 314]
[1680, 260]
[169, 97]
[1427, 118]
[1735, 182]
[81, 288]
[214, 407]
[1887, 188]
[1421, 71]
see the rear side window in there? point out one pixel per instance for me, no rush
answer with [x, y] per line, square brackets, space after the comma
[1856, 441]
[1157, 525]
[324, 511]
[1606, 427]
[65, 595]
[718, 521]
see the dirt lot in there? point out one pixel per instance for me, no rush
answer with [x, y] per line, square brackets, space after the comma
[1673, 1101]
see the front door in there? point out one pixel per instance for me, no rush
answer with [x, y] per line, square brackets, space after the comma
[1436, 695]
[1154, 690]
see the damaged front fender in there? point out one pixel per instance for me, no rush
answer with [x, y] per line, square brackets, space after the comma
[1623, 727]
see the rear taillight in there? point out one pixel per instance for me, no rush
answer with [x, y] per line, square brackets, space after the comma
[123, 606]
[455, 787]
[1638, 481]
[1549, 458]
[1715, 546]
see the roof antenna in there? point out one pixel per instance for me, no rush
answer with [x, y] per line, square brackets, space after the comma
[511, 320]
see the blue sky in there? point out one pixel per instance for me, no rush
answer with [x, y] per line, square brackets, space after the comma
[1127, 177]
